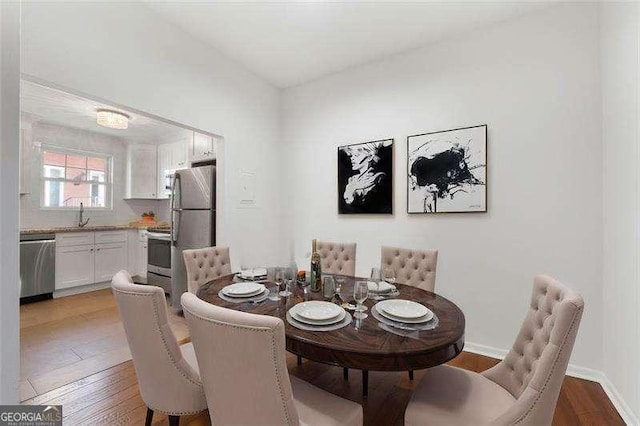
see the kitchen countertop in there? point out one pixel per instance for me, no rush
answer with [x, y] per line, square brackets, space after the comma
[89, 228]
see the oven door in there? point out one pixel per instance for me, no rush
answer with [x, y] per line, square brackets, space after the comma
[159, 253]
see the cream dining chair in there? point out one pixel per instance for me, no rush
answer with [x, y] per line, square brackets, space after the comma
[337, 258]
[168, 375]
[416, 268]
[204, 265]
[523, 388]
[244, 371]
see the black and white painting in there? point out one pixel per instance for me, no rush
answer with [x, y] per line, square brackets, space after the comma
[365, 177]
[447, 171]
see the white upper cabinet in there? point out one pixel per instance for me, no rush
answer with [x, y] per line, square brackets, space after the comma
[179, 151]
[142, 171]
[202, 148]
[171, 157]
[165, 168]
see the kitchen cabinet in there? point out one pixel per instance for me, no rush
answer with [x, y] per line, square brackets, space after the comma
[137, 249]
[165, 169]
[110, 258]
[84, 258]
[74, 266]
[179, 151]
[171, 157]
[142, 172]
[202, 148]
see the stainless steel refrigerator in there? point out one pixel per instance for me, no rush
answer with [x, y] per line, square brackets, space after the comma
[193, 221]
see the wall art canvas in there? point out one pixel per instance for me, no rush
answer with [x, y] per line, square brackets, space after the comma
[365, 177]
[447, 171]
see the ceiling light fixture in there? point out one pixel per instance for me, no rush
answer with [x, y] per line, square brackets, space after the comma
[112, 119]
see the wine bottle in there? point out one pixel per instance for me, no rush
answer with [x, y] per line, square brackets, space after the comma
[315, 270]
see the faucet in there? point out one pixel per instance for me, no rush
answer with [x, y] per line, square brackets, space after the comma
[82, 223]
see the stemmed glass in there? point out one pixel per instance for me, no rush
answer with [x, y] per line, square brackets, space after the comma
[376, 277]
[360, 294]
[389, 275]
[283, 282]
[248, 269]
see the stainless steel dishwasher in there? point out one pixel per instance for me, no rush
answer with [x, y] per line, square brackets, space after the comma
[37, 267]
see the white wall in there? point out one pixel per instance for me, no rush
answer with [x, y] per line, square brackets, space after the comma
[535, 82]
[122, 212]
[124, 52]
[9, 137]
[620, 86]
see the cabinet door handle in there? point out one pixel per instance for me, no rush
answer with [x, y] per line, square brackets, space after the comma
[91, 250]
[98, 249]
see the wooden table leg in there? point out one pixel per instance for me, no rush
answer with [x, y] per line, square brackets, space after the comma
[299, 360]
[410, 374]
[365, 382]
[345, 373]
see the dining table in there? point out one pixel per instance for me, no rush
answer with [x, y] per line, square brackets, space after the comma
[364, 344]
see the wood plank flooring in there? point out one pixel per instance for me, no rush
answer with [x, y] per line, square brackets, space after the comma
[67, 339]
[104, 390]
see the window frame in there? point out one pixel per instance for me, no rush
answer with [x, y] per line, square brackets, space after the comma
[108, 177]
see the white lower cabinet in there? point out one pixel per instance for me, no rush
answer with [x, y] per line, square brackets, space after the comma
[82, 259]
[110, 258]
[74, 266]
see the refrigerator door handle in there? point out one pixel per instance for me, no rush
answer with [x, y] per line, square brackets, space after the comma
[175, 224]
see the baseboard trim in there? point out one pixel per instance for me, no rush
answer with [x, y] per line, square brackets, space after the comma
[574, 371]
[82, 289]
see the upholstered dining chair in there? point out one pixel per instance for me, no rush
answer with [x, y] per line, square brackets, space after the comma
[416, 268]
[168, 374]
[246, 379]
[204, 265]
[337, 258]
[523, 388]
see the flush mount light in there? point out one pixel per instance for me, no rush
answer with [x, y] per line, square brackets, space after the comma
[112, 119]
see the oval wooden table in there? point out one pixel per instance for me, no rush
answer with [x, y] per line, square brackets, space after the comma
[363, 344]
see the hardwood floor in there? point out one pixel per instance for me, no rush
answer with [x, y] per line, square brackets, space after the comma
[88, 373]
[64, 340]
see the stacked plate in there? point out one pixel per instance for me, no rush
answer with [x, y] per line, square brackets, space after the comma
[382, 288]
[252, 274]
[243, 292]
[317, 315]
[404, 314]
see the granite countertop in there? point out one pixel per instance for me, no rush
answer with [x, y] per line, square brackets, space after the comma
[89, 228]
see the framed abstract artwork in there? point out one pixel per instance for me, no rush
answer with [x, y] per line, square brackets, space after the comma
[365, 177]
[447, 171]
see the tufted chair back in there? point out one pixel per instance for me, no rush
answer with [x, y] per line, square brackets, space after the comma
[534, 368]
[416, 268]
[337, 258]
[243, 364]
[204, 265]
[167, 382]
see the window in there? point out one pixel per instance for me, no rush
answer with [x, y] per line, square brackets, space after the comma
[73, 177]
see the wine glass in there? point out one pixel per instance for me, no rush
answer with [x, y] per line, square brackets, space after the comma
[389, 275]
[283, 283]
[376, 277]
[360, 294]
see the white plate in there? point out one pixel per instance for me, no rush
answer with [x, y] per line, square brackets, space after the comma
[252, 274]
[330, 321]
[243, 289]
[403, 309]
[385, 287]
[428, 317]
[317, 310]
